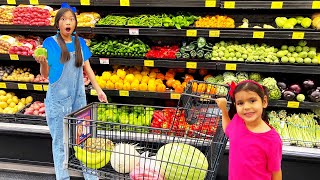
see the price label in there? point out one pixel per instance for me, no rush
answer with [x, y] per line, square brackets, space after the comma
[11, 2]
[104, 60]
[85, 2]
[37, 87]
[3, 85]
[175, 96]
[124, 2]
[277, 5]
[316, 5]
[297, 35]
[191, 33]
[45, 87]
[34, 2]
[191, 65]
[14, 57]
[229, 4]
[149, 63]
[231, 67]
[211, 3]
[258, 34]
[22, 86]
[134, 31]
[293, 104]
[123, 93]
[214, 33]
[93, 92]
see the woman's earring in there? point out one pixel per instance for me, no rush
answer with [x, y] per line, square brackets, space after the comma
[74, 33]
[58, 31]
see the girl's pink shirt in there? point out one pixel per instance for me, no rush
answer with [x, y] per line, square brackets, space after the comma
[252, 156]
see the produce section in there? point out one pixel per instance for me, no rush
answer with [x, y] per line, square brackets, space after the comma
[153, 55]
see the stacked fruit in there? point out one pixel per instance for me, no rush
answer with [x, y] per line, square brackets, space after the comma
[32, 15]
[5, 43]
[6, 14]
[40, 79]
[87, 19]
[19, 74]
[25, 46]
[10, 103]
[285, 23]
[37, 108]
[215, 22]
[5, 71]
[134, 78]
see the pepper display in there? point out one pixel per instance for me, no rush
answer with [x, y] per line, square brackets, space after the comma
[164, 52]
[120, 48]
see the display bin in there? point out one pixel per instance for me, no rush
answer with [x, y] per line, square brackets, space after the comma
[95, 146]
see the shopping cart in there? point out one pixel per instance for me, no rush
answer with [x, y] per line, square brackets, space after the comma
[190, 147]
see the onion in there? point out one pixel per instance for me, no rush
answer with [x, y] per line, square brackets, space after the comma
[124, 158]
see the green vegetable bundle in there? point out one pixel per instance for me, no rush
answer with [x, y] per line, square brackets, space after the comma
[111, 20]
[120, 48]
[199, 49]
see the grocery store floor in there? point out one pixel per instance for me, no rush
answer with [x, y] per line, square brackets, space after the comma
[24, 176]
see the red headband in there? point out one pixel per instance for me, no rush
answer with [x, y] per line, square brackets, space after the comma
[233, 86]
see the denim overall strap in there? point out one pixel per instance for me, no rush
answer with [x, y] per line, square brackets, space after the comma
[64, 96]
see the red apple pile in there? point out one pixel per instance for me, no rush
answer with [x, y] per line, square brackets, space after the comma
[37, 108]
[41, 79]
[32, 15]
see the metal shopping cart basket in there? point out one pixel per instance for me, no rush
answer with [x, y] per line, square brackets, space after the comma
[113, 141]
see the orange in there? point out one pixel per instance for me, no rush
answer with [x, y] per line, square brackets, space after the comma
[161, 88]
[153, 75]
[135, 86]
[156, 70]
[169, 75]
[184, 84]
[170, 82]
[176, 83]
[202, 88]
[118, 85]
[129, 78]
[160, 76]
[145, 79]
[144, 73]
[152, 87]
[109, 85]
[194, 87]
[159, 81]
[188, 78]
[138, 77]
[151, 81]
[121, 73]
[143, 87]
[136, 72]
[179, 89]
[211, 89]
[114, 78]
[127, 86]
[106, 75]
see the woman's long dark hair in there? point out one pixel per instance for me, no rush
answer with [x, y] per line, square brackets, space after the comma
[250, 86]
[65, 56]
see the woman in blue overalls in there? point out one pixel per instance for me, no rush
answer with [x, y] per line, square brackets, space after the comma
[67, 55]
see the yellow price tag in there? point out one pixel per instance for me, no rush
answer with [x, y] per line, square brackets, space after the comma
[45, 87]
[123, 93]
[277, 5]
[22, 86]
[93, 92]
[316, 5]
[191, 33]
[231, 67]
[297, 35]
[258, 34]
[11, 2]
[211, 3]
[3, 85]
[124, 2]
[229, 4]
[37, 87]
[293, 104]
[214, 33]
[14, 57]
[149, 63]
[191, 65]
[34, 2]
[175, 96]
[85, 2]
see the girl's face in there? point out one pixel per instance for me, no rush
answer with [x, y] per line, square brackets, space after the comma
[250, 106]
[67, 24]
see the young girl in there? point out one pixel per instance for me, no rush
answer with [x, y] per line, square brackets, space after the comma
[255, 147]
[67, 55]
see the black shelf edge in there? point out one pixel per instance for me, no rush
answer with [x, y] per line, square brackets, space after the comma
[5, 57]
[158, 3]
[49, 2]
[24, 86]
[285, 4]
[279, 68]
[43, 29]
[157, 63]
[302, 105]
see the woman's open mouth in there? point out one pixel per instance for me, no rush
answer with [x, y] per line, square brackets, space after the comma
[68, 30]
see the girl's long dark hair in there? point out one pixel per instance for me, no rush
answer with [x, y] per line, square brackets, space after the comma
[250, 86]
[65, 56]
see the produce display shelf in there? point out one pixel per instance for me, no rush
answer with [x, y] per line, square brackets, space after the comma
[286, 150]
[48, 2]
[172, 95]
[168, 63]
[277, 68]
[24, 86]
[5, 57]
[284, 4]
